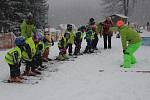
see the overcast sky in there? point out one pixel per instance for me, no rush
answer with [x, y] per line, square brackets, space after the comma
[73, 11]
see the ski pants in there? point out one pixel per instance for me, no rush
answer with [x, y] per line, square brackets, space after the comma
[70, 48]
[95, 41]
[46, 53]
[77, 48]
[129, 57]
[14, 70]
[107, 38]
[89, 46]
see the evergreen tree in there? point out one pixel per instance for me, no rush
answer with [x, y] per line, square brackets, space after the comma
[14, 11]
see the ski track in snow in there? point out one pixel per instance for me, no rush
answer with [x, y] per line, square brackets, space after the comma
[81, 79]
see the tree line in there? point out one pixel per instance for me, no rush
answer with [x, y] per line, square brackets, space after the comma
[12, 13]
[136, 10]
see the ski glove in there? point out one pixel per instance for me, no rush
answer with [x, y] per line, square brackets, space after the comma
[124, 52]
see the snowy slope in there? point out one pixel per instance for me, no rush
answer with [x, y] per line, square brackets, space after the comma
[81, 79]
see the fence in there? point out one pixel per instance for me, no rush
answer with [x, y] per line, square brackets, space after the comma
[7, 41]
[146, 41]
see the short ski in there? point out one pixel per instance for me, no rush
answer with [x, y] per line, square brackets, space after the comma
[137, 71]
[32, 82]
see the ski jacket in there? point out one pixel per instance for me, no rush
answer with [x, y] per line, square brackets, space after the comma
[30, 50]
[39, 48]
[63, 43]
[129, 36]
[78, 37]
[27, 29]
[72, 37]
[89, 35]
[106, 27]
[13, 56]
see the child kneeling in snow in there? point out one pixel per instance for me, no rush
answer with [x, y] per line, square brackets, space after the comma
[13, 58]
[62, 45]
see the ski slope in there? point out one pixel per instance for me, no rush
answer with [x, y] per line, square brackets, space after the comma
[81, 79]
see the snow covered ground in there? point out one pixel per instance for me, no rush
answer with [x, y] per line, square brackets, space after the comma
[81, 79]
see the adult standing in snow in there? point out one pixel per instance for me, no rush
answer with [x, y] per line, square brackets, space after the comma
[27, 26]
[107, 34]
[131, 41]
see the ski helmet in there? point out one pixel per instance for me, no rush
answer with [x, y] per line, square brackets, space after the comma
[92, 20]
[40, 36]
[120, 23]
[19, 41]
[69, 27]
[37, 37]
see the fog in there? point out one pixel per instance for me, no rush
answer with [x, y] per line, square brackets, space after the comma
[73, 11]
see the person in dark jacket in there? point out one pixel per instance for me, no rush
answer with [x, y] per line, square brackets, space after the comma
[107, 34]
[77, 42]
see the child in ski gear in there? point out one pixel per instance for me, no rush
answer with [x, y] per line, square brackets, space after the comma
[78, 39]
[131, 41]
[83, 30]
[89, 38]
[77, 42]
[13, 58]
[27, 56]
[107, 34]
[48, 42]
[37, 59]
[92, 24]
[71, 38]
[62, 45]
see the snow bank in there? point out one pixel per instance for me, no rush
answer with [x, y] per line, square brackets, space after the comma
[81, 79]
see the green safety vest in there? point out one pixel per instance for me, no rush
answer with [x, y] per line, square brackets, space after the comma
[33, 49]
[9, 56]
[26, 29]
[64, 44]
[36, 46]
[47, 45]
[72, 37]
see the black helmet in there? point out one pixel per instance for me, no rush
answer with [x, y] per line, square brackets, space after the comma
[92, 20]
[69, 27]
